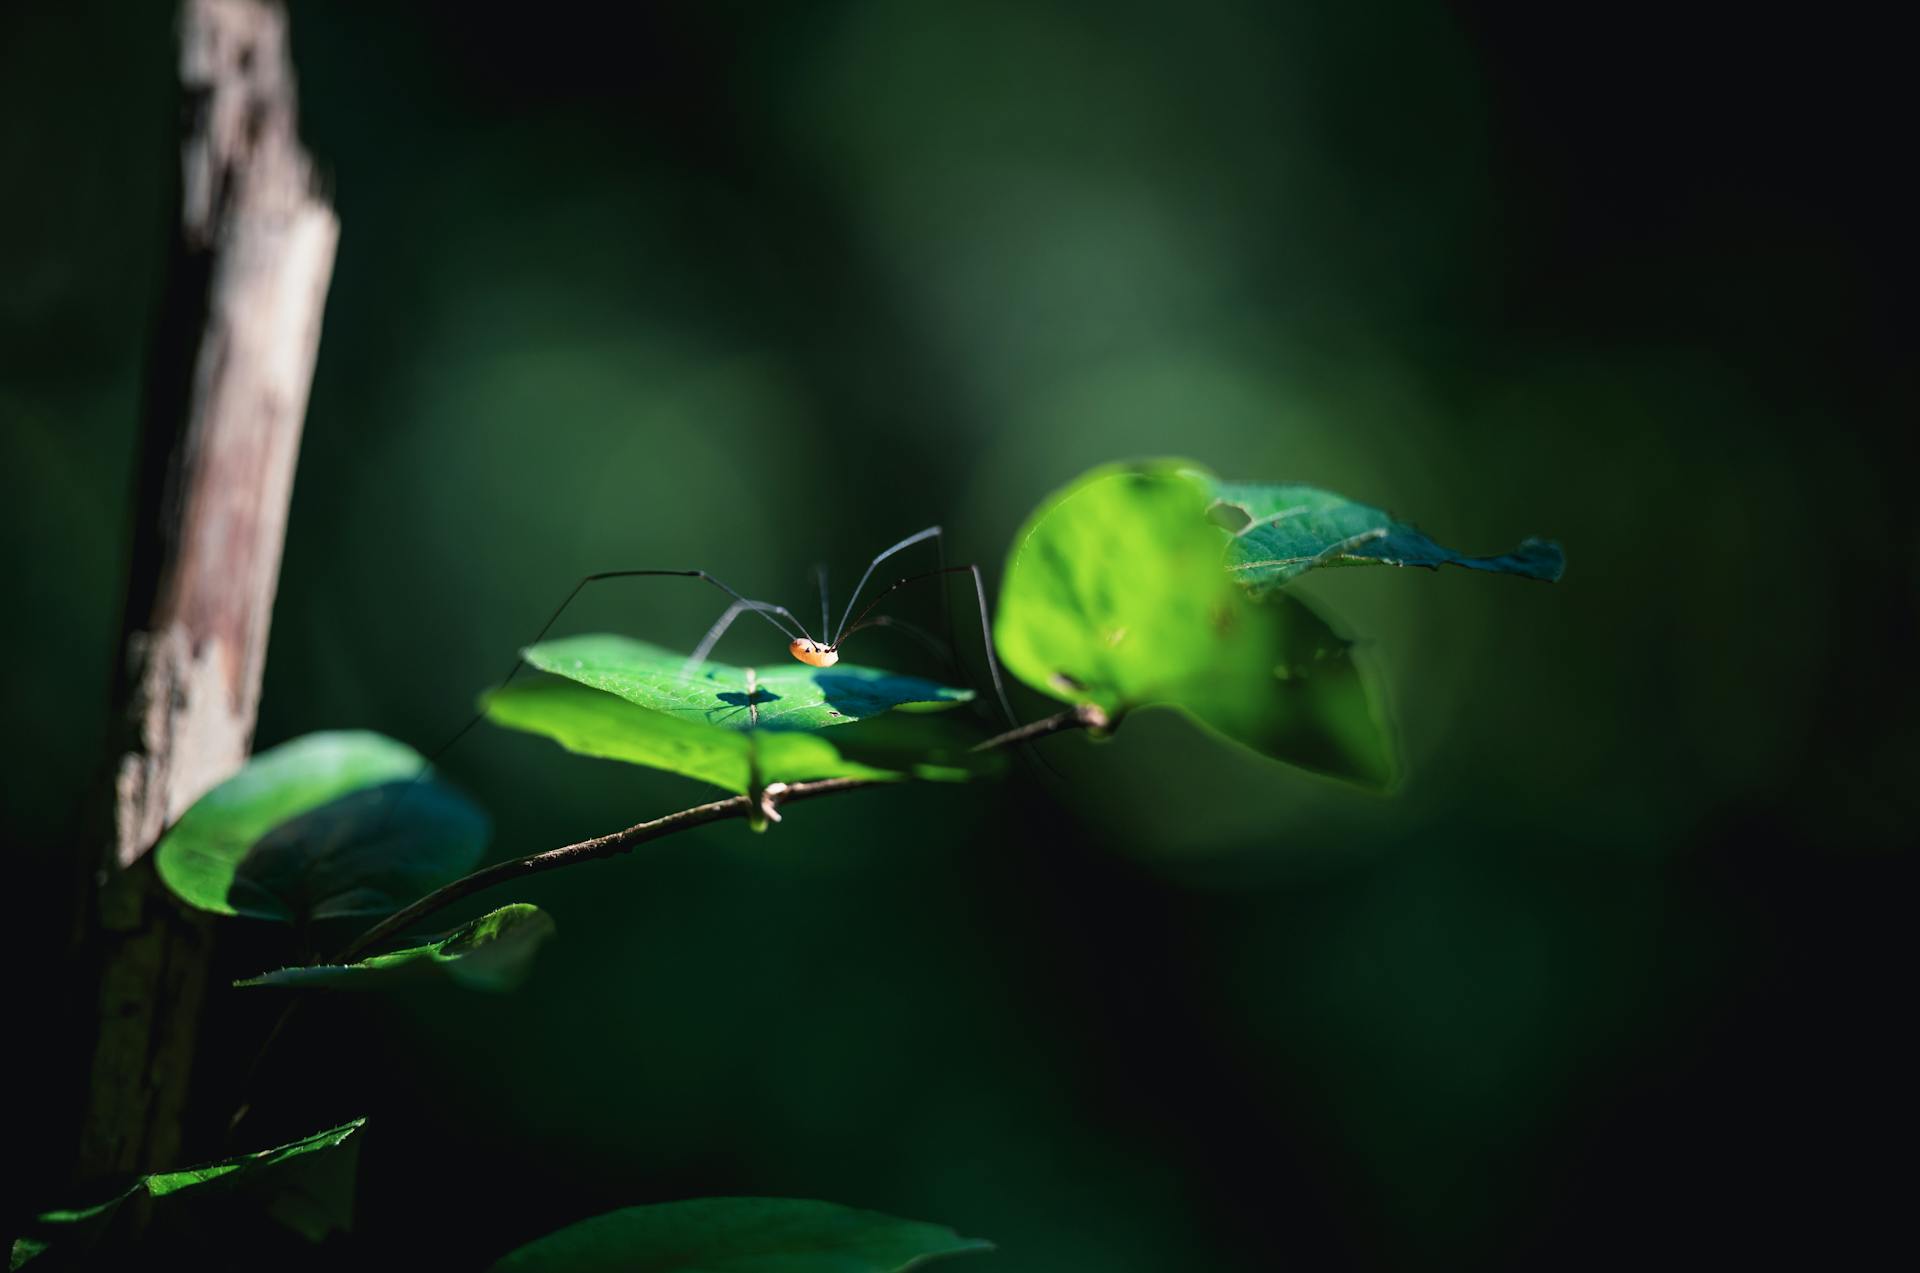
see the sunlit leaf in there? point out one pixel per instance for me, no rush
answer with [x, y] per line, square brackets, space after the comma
[493, 952]
[740, 1235]
[784, 696]
[306, 1185]
[324, 826]
[1116, 595]
[1282, 530]
[594, 723]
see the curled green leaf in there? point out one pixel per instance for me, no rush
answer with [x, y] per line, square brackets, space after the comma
[494, 952]
[307, 1185]
[325, 826]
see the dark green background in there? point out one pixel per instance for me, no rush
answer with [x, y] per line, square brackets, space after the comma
[750, 286]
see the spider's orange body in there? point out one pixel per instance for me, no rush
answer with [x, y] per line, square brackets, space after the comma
[813, 653]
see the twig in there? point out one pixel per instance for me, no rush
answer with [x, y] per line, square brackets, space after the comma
[619, 842]
[1085, 716]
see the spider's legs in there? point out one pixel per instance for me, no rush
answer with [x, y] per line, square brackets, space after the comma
[930, 532]
[520, 661]
[940, 649]
[725, 621]
[986, 625]
[826, 624]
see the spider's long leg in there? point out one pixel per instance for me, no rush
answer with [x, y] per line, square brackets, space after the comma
[929, 533]
[725, 621]
[825, 624]
[520, 662]
[941, 649]
[986, 625]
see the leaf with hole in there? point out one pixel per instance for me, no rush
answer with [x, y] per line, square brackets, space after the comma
[306, 1186]
[1282, 530]
[740, 1235]
[1115, 594]
[326, 826]
[494, 952]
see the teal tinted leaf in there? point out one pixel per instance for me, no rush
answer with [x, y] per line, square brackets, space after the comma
[740, 1235]
[325, 826]
[785, 696]
[1115, 595]
[1280, 531]
[306, 1185]
[494, 952]
[593, 723]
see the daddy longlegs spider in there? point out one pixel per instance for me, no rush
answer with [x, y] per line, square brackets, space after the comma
[801, 643]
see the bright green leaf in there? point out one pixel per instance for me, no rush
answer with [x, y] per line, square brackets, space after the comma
[784, 697]
[593, 723]
[740, 1235]
[1114, 589]
[1116, 595]
[325, 826]
[493, 952]
[306, 1185]
[1281, 531]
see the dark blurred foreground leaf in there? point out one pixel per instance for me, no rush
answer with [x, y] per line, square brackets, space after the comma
[325, 826]
[708, 735]
[493, 952]
[1116, 595]
[740, 1235]
[1282, 530]
[306, 1186]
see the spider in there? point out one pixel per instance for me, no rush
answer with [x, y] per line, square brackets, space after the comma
[802, 644]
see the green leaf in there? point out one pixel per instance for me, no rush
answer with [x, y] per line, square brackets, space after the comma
[1281, 531]
[740, 1235]
[494, 952]
[306, 1185]
[1115, 595]
[785, 697]
[325, 826]
[1290, 686]
[626, 700]
[593, 723]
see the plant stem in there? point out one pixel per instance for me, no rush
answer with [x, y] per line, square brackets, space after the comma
[1085, 716]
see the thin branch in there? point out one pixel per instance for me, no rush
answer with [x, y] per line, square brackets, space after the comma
[775, 794]
[1085, 716]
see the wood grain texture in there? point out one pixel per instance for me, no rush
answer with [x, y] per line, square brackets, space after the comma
[232, 363]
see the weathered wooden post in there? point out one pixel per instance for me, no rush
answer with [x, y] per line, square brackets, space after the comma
[231, 367]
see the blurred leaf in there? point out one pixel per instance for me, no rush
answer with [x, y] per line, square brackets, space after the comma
[785, 697]
[306, 1185]
[325, 826]
[1288, 685]
[593, 723]
[740, 1235]
[1113, 590]
[493, 952]
[1115, 595]
[1281, 531]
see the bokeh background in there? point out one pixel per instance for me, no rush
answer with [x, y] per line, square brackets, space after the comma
[749, 286]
